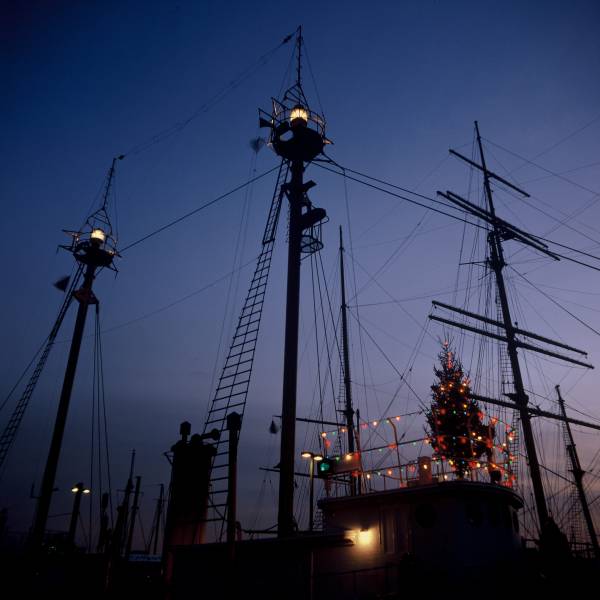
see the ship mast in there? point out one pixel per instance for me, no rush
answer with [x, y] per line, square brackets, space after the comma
[578, 474]
[502, 230]
[298, 136]
[94, 249]
[349, 411]
[520, 396]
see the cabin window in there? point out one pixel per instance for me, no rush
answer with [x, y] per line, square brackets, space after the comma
[425, 516]
[474, 514]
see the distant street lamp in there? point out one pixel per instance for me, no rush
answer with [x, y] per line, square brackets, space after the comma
[313, 459]
[78, 490]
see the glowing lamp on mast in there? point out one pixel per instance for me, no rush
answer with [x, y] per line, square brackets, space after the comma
[298, 116]
[98, 236]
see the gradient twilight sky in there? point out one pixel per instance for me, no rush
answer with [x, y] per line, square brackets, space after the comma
[399, 82]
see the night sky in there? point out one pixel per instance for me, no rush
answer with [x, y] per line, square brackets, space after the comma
[399, 83]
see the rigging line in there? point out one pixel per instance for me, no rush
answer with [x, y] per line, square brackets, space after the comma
[410, 200]
[215, 99]
[318, 352]
[67, 299]
[402, 378]
[231, 294]
[564, 139]
[316, 388]
[196, 210]
[404, 237]
[394, 255]
[581, 321]
[314, 81]
[335, 336]
[462, 220]
[105, 421]
[580, 168]
[583, 187]
[354, 281]
[179, 300]
[560, 222]
[25, 370]
[390, 295]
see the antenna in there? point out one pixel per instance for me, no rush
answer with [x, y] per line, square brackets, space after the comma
[299, 56]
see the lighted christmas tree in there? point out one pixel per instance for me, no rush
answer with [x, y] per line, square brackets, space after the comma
[456, 429]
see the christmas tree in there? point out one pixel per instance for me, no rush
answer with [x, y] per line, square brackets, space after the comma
[456, 429]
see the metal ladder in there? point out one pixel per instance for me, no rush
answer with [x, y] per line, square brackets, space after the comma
[233, 384]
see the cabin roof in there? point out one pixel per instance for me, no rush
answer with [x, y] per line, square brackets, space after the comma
[420, 493]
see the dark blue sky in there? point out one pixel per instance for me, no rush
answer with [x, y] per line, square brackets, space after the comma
[399, 83]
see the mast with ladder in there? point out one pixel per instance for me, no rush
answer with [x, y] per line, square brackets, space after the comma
[297, 135]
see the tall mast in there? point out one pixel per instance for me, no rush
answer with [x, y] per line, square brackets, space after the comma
[298, 136]
[578, 474]
[93, 249]
[349, 411]
[520, 397]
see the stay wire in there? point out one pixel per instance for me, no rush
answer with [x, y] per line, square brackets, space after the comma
[206, 106]
[581, 321]
[197, 210]
[389, 361]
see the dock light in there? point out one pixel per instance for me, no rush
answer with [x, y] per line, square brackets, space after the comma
[86, 491]
[75, 489]
[98, 236]
[299, 116]
[306, 454]
[317, 457]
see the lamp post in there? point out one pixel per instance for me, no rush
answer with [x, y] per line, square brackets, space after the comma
[311, 470]
[78, 490]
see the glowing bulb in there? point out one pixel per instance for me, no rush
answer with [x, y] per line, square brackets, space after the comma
[299, 112]
[98, 236]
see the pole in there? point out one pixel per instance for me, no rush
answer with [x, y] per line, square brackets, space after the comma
[74, 515]
[311, 510]
[85, 297]
[159, 508]
[285, 520]
[578, 474]
[234, 424]
[134, 511]
[520, 397]
[349, 411]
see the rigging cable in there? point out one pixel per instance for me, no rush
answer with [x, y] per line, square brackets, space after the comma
[581, 321]
[197, 210]
[461, 219]
[215, 99]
